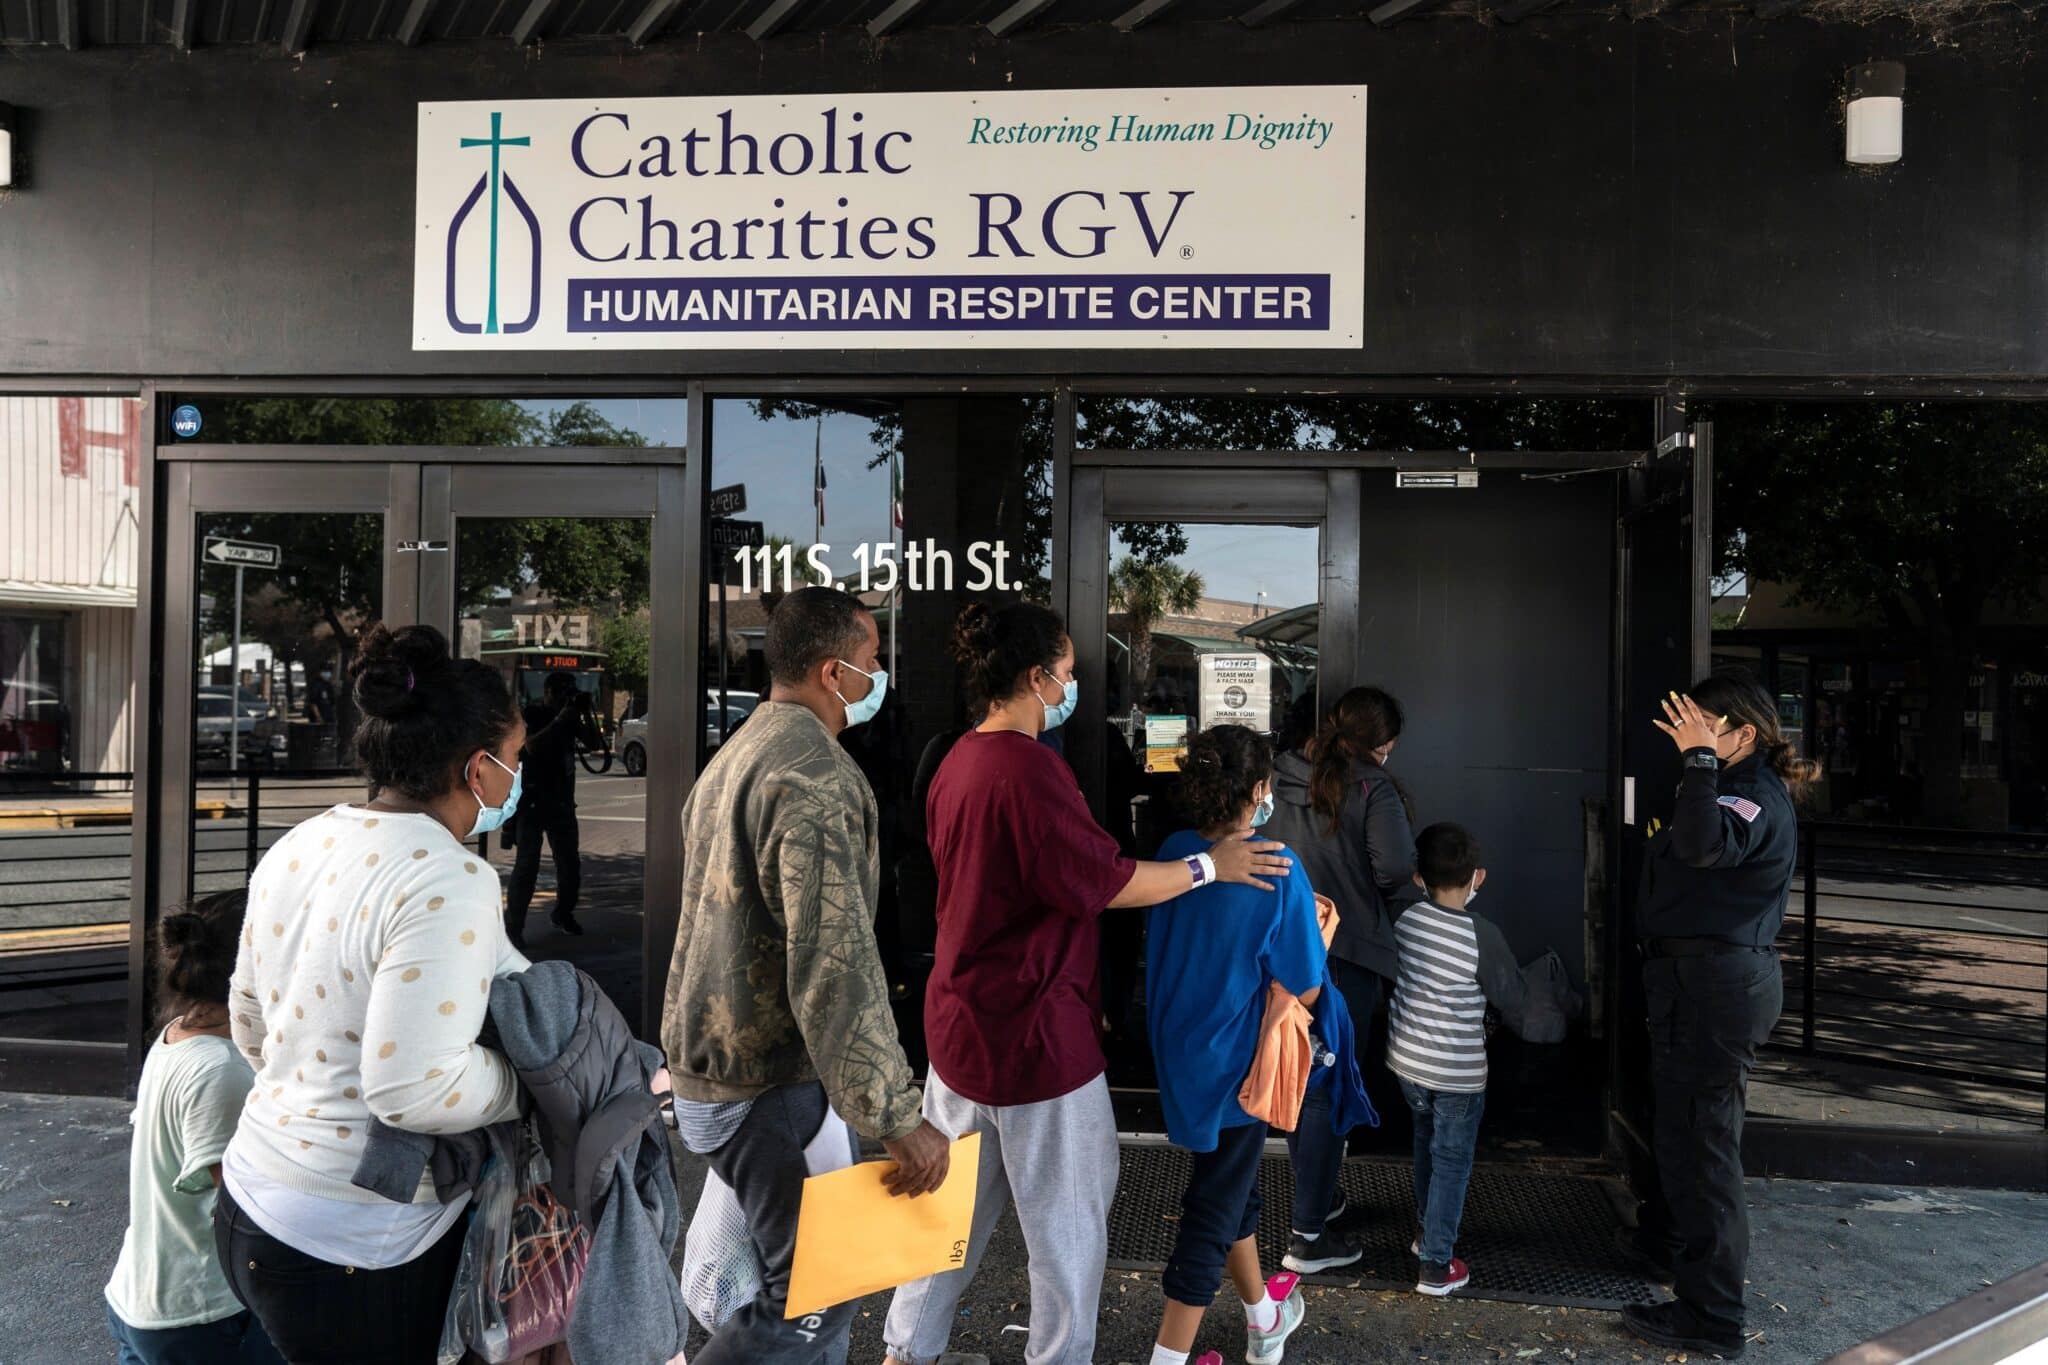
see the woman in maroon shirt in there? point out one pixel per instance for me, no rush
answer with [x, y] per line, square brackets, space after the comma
[1011, 1008]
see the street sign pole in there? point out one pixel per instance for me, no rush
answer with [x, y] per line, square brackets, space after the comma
[235, 689]
[241, 554]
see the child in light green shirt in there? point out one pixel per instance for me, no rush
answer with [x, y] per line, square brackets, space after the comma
[168, 1300]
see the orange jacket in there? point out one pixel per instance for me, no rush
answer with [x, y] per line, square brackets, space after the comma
[1274, 1087]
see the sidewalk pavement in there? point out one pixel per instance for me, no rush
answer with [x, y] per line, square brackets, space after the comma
[1832, 1265]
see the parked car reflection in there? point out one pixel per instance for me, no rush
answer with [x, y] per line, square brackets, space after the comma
[633, 735]
[260, 735]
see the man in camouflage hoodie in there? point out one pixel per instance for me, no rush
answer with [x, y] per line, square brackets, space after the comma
[776, 1002]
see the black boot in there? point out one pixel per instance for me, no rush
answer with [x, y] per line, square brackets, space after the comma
[1674, 1324]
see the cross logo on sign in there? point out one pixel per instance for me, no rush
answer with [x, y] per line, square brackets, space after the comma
[498, 184]
[248, 554]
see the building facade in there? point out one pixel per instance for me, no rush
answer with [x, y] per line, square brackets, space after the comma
[1480, 473]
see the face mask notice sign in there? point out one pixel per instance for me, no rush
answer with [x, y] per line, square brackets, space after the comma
[1200, 217]
[1237, 689]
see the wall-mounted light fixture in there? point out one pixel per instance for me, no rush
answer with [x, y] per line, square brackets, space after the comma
[1876, 114]
[6, 145]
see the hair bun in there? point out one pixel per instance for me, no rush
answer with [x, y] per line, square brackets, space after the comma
[974, 632]
[391, 666]
[182, 929]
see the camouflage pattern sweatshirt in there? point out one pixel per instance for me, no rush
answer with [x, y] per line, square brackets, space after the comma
[776, 979]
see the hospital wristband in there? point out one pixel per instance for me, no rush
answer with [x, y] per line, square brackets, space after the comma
[1203, 868]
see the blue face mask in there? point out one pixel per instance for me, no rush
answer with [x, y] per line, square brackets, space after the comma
[870, 706]
[1056, 716]
[1263, 811]
[489, 818]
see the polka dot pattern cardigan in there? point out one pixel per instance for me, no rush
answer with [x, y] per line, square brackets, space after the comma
[362, 982]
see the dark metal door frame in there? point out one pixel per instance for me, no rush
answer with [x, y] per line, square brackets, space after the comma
[1106, 489]
[1212, 486]
[1664, 541]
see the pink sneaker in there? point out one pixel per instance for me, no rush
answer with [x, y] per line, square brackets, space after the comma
[1267, 1348]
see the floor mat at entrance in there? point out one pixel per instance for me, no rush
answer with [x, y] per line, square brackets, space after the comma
[1529, 1236]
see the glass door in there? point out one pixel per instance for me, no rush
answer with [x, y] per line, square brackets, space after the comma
[567, 579]
[270, 571]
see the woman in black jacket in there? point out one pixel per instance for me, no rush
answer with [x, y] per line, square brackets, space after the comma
[1715, 886]
[1336, 807]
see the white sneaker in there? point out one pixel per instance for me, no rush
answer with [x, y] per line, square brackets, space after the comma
[1266, 1348]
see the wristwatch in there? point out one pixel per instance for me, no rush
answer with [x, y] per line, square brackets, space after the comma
[1703, 758]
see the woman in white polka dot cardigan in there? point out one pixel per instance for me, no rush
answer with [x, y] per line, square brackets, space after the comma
[362, 982]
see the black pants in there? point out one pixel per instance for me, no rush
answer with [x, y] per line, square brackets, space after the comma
[765, 1166]
[319, 1313]
[1707, 1015]
[1316, 1152]
[1219, 1210]
[559, 827]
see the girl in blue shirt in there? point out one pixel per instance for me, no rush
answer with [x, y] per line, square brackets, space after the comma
[1209, 957]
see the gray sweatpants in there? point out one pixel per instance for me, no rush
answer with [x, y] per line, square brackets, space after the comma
[1058, 1160]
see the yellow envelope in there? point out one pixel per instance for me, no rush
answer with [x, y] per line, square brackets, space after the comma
[853, 1237]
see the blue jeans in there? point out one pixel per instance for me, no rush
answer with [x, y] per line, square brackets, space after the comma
[1314, 1148]
[238, 1340]
[1446, 1133]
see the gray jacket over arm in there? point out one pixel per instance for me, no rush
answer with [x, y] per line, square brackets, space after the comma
[1535, 1001]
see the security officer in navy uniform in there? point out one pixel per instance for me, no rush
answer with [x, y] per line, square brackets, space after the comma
[1715, 885]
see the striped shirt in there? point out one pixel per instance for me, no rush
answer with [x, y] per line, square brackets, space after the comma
[1436, 1033]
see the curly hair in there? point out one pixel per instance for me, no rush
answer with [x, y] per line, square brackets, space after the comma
[1224, 766]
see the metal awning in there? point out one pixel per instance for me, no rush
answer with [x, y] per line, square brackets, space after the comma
[1294, 626]
[18, 593]
[1203, 644]
[292, 26]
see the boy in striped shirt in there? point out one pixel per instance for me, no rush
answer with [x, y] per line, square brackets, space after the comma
[1453, 965]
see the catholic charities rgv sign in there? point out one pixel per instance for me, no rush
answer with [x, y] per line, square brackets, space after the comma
[1051, 218]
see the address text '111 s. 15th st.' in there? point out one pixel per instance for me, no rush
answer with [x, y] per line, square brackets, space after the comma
[878, 567]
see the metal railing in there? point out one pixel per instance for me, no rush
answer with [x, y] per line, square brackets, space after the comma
[1916, 967]
[66, 876]
[66, 863]
[257, 809]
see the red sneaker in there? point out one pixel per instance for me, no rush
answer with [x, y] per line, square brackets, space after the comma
[1438, 1279]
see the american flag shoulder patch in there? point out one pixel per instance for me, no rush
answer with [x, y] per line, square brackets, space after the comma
[1744, 807]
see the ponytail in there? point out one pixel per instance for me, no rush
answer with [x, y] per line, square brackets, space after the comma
[195, 951]
[1364, 720]
[1734, 694]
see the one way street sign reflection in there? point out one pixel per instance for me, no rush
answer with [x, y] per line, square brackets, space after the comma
[247, 554]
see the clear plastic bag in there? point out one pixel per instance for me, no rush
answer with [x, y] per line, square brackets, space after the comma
[522, 1260]
[721, 1272]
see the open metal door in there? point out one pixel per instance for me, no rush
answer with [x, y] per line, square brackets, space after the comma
[1663, 640]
